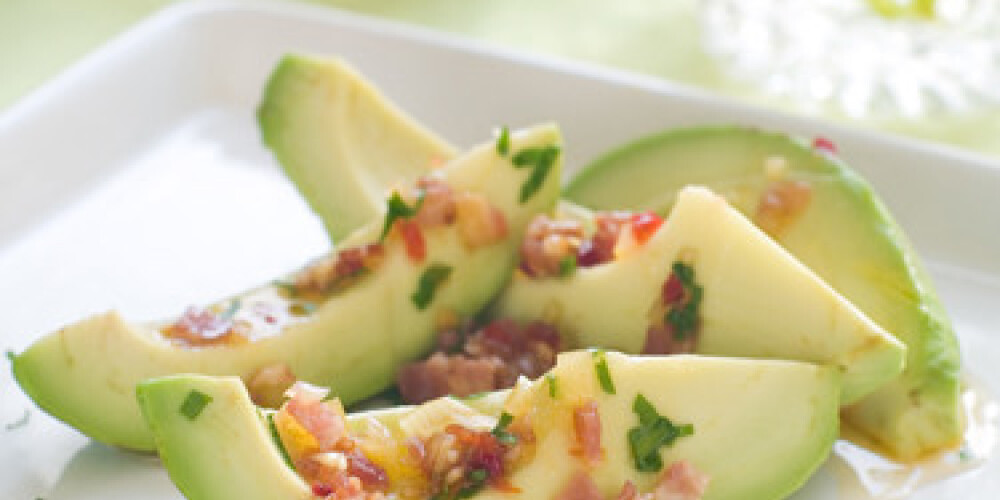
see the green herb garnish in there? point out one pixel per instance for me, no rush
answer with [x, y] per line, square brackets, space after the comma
[396, 208]
[653, 432]
[277, 441]
[194, 403]
[553, 385]
[500, 431]
[684, 318]
[567, 266]
[430, 280]
[603, 373]
[503, 142]
[540, 160]
[10, 355]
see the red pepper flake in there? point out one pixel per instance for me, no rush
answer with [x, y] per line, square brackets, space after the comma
[416, 247]
[825, 145]
[644, 226]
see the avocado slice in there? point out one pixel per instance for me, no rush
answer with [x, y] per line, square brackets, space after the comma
[846, 235]
[759, 433]
[85, 374]
[320, 111]
[748, 283]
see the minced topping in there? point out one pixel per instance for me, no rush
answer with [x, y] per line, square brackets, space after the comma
[556, 247]
[675, 318]
[490, 358]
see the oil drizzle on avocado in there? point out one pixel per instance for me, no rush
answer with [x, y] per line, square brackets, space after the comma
[866, 475]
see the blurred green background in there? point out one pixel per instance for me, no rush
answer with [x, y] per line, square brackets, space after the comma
[39, 38]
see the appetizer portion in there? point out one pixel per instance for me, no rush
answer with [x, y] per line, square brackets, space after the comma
[703, 280]
[826, 215]
[598, 426]
[321, 112]
[444, 249]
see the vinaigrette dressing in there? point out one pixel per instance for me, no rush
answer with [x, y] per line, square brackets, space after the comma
[864, 474]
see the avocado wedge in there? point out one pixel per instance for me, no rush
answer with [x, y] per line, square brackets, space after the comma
[845, 234]
[320, 111]
[759, 433]
[85, 374]
[757, 300]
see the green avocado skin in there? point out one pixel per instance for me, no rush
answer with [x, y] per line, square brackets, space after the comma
[846, 235]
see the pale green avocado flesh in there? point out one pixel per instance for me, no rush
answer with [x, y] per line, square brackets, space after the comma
[340, 141]
[758, 301]
[760, 431]
[85, 374]
[846, 235]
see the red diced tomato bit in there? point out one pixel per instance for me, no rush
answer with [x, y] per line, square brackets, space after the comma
[644, 226]
[413, 238]
[823, 144]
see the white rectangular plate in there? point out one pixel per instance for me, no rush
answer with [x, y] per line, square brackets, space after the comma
[136, 181]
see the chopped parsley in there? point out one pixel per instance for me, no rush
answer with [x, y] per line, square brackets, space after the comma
[603, 373]
[10, 355]
[653, 432]
[503, 142]
[277, 441]
[430, 280]
[553, 385]
[396, 208]
[500, 431]
[567, 266]
[540, 160]
[684, 317]
[194, 403]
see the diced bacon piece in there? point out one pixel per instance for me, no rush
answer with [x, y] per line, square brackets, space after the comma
[267, 385]
[587, 425]
[781, 204]
[546, 243]
[371, 475]
[579, 487]
[338, 270]
[438, 207]
[442, 375]
[479, 222]
[681, 481]
[600, 248]
[324, 420]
